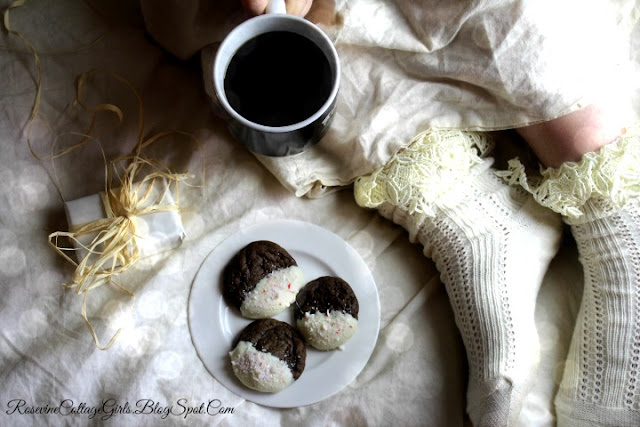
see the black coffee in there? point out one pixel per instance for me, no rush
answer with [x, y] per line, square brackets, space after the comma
[278, 79]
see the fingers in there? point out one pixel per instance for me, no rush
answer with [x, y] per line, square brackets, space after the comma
[294, 7]
[298, 7]
[255, 7]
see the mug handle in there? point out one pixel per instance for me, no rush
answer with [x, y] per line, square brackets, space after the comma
[276, 6]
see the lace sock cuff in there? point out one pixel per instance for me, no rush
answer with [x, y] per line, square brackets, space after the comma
[608, 177]
[429, 173]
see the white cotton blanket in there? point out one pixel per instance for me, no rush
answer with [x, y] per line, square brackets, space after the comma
[403, 71]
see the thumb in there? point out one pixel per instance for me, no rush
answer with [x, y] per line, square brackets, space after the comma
[255, 7]
[298, 7]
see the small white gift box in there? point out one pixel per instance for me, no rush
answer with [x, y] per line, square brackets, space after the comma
[155, 232]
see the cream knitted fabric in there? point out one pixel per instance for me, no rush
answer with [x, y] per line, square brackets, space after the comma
[491, 244]
[598, 197]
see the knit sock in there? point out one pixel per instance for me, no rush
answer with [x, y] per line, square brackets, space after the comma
[598, 197]
[492, 245]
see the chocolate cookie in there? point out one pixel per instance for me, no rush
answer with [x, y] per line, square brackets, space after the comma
[262, 280]
[269, 355]
[326, 312]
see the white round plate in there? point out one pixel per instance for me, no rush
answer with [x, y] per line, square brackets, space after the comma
[214, 325]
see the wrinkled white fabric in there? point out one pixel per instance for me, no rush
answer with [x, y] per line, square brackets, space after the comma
[47, 355]
[416, 373]
[481, 65]
[476, 65]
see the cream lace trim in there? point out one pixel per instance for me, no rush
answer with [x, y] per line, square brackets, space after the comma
[611, 174]
[426, 174]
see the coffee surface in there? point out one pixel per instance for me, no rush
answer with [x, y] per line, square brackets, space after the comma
[278, 79]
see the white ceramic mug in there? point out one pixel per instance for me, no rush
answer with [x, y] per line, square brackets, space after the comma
[257, 109]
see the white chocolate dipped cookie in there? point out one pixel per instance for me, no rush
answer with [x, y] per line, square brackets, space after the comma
[269, 355]
[326, 313]
[262, 280]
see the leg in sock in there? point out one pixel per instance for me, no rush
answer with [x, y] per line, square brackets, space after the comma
[604, 360]
[599, 197]
[491, 244]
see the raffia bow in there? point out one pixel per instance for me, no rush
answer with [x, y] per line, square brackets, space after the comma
[115, 247]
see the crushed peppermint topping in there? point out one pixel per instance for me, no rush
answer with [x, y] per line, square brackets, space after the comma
[327, 331]
[260, 370]
[273, 293]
